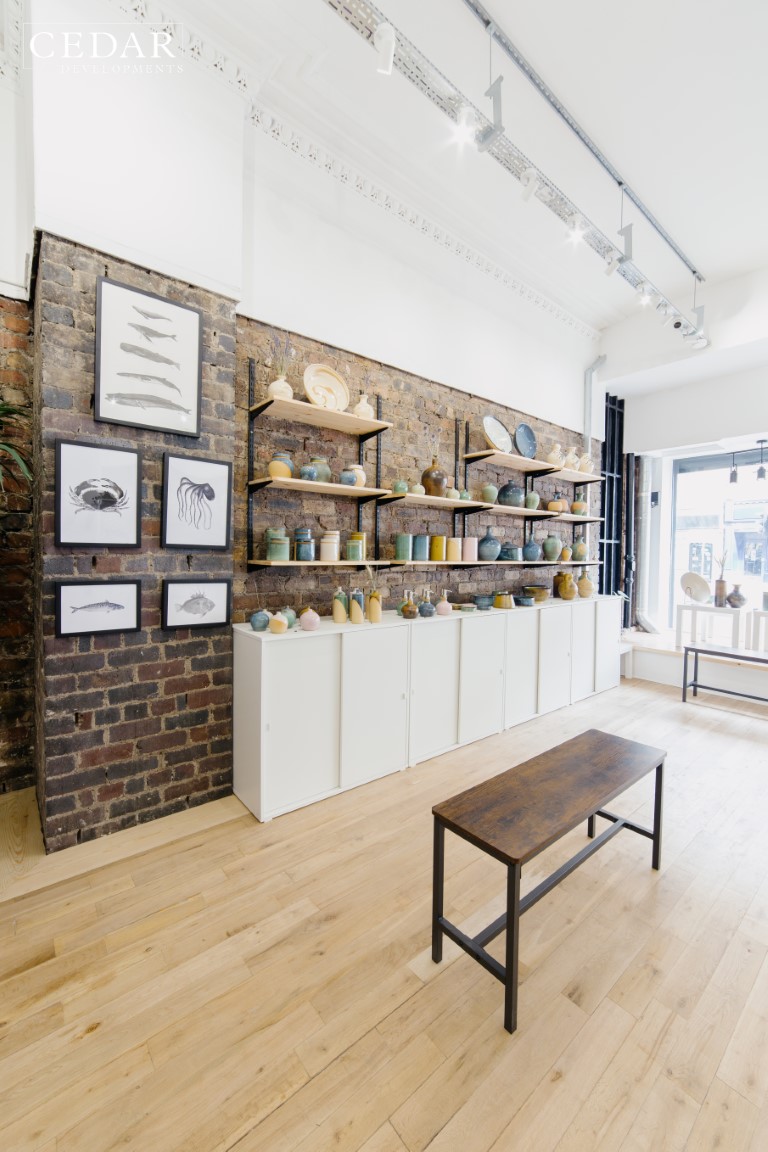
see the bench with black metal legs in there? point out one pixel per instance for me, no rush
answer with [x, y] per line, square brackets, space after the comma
[740, 654]
[516, 815]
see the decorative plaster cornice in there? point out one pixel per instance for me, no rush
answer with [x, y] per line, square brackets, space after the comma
[323, 160]
[10, 42]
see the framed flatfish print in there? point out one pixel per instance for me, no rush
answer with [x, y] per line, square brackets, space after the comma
[148, 360]
[191, 603]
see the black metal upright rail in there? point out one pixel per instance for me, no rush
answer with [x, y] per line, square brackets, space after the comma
[611, 575]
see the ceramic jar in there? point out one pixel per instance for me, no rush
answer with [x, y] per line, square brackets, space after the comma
[279, 548]
[400, 487]
[353, 550]
[260, 621]
[308, 472]
[417, 490]
[585, 585]
[469, 549]
[532, 550]
[340, 608]
[503, 600]
[453, 549]
[568, 589]
[421, 547]
[289, 615]
[363, 408]
[322, 467]
[586, 464]
[280, 466]
[404, 546]
[512, 496]
[434, 479]
[308, 619]
[348, 477]
[278, 623]
[280, 389]
[329, 547]
[374, 606]
[532, 500]
[437, 548]
[359, 474]
[579, 504]
[571, 459]
[555, 455]
[580, 549]
[566, 553]
[361, 536]
[489, 493]
[736, 598]
[552, 547]
[303, 545]
[489, 547]
[510, 551]
[558, 504]
[453, 494]
[557, 580]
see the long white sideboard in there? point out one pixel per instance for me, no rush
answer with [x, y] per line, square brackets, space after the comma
[316, 713]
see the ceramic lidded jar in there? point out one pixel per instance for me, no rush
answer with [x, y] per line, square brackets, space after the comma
[512, 496]
[348, 477]
[489, 547]
[359, 473]
[434, 479]
[280, 466]
[308, 472]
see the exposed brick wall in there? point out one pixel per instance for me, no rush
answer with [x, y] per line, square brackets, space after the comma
[419, 410]
[138, 725]
[16, 584]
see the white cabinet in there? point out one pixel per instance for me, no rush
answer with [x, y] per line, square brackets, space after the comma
[521, 688]
[607, 640]
[434, 693]
[582, 649]
[554, 656]
[481, 677]
[286, 721]
[374, 703]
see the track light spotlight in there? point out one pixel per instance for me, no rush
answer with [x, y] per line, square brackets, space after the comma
[576, 229]
[465, 127]
[530, 182]
[645, 293]
[384, 41]
[761, 469]
[615, 261]
[734, 473]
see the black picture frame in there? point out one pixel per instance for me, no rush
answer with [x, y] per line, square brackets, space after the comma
[96, 607]
[97, 495]
[197, 504]
[183, 613]
[149, 360]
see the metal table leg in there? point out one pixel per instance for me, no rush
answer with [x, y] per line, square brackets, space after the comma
[438, 873]
[657, 816]
[513, 940]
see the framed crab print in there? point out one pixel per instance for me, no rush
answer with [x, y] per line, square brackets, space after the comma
[196, 503]
[149, 360]
[98, 496]
[191, 603]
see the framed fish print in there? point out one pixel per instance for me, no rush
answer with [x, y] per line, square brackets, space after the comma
[191, 603]
[90, 606]
[196, 503]
[98, 496]
[148, 360]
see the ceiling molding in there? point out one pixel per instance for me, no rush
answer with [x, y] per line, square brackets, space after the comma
[352, 177]
[11, 21]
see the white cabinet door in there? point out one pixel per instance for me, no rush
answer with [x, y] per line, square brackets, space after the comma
[607, 640]
[582, 649]
[374, 704]
[481, 678]
[554, 657]
[521, 686]
[300, 721]
[434, 703]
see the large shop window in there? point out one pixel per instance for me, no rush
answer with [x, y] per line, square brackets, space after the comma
[714, 518]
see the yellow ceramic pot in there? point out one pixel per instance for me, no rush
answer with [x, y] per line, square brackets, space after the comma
[568, 589]
[585, 585]
[565, 555]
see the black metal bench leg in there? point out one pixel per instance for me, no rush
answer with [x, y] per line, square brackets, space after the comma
[591, 827]
[685, 675]
[657, 815]
[513, 941]
[438, 872]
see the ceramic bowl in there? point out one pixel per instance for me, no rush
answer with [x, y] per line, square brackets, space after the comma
[484, 600]
[466, 607]
[538, 591]
[524, 601]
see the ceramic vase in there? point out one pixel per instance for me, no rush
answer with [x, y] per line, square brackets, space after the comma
[280, 466]
[374, 606]
[568, 589]
[555, 455]
[580, 549]
[363, 408]
[579, 504]
[289, 615]
[552, 547]
[308, 472]
[586, 464]
[532, 550]
[348, 477]
[340, 606]
[280, 389]
[309, 619]
[278, 623]
[356, 607]
[585, 585]
[434, 479]
[260, 620]
[489, 547]
[532, 500]
[571, 459]
[512, 496]
[452, 494]
[558, 504]
[400, 487]
[736, 598]
[490, 493]
[322, 468]
[565, 555]
[418, 490]
[721, 589]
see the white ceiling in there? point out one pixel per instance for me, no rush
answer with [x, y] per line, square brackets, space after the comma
[674, 94]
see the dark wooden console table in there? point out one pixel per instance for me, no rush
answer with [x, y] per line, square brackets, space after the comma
[723, 653]
[516, 815]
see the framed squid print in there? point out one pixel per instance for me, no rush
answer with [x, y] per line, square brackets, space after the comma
[196, 503]
[148, 360]
[98, 496]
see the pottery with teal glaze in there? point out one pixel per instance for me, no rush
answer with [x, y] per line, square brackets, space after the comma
[512, 496]
[308, 472]
[322, 467]
[421, 547]
[260, 621]
[489, 547]
[348, 477]
[490, 492]
[400, 487]
[532, 550]
[552, 547]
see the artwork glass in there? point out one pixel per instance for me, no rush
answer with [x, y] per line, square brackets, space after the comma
[87, 607]
[196, 503]
[98, 495]
[196, 603]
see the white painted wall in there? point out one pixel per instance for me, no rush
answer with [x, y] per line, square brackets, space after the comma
[697, 414]
[15, 195]
[323, 260]
[145, 166]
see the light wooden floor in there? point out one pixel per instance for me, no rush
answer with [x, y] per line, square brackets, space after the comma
[209, 983]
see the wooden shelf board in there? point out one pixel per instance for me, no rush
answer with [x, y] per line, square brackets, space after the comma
[571, 476]
[318, 487]
[523, 513]
[508, 460]
[414, 499]
[304, 413]
[319, 563]
[571, 519]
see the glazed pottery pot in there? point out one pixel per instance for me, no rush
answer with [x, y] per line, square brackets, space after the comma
[453, 494]
[539, 592]
[579, 504]
[586, 464]
[374, 606]
[469, 549]
[289, 615]
[580, 549]
[585, 585]
[736, 598]
[309, 619]
[421, 547]
[557, 580]
[356, 607]
[280, 389]
[558, 504]
[571, 459]
[532, 550]
[329, 547]
[555, 456]
[278, 623]
[404, 546]
[489, 547]
[353, 550]
[400, 487]
[568, 589]
[308, 472]
[552, 547]
[503, 600]
[359, 474]
[340, 606]
[484, 600]
[260, 621]
[489, 493]
[437, 548]
[322, 467]
[348, 477]
[279, 548]
[512, 496]
[280, 466]
[434, 479]
[532, 500]
[418, 490]
[524, 601]
[363, 408]
[361, 536]
[565, 555]
[464, 494]
[510, 551]
[303, 545]
[453, 549]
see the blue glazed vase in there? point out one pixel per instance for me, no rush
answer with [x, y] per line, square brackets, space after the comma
[512, 496]
[308, 472]
[260, 621]
[347, 477]
[489, 547]
[532, 550]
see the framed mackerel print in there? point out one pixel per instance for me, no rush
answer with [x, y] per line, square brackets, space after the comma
[98, 496]
[196, 503]
[86, 607]
[191, 603]
[148, 360]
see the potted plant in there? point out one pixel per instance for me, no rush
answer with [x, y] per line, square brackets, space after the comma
[12, 418]
[721, 586]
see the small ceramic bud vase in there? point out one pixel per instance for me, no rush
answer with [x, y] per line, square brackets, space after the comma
[260, 620]
[580, 549]
[280, 389]
[309, 619]
[356, 607]
[340, 610]
[373, 608]
[363, 408]
[585, 585]
[278, 623]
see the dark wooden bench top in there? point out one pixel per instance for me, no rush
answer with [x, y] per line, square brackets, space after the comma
[519, 813]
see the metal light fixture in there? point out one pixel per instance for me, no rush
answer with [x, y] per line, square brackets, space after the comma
[734, 473]
[761, 469]
[385, 41]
